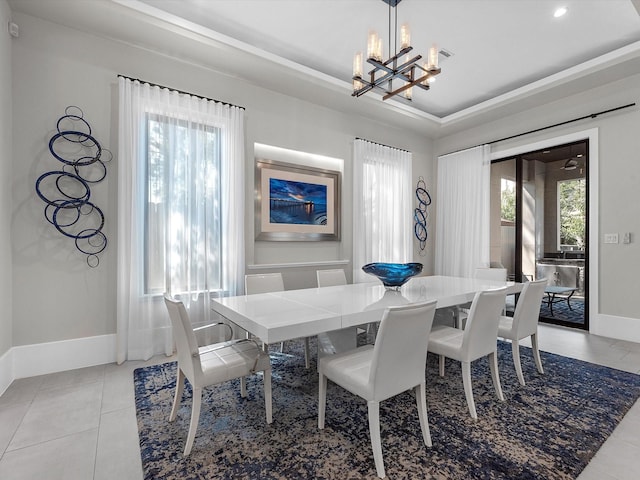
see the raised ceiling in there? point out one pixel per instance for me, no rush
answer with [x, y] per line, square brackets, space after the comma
[504, 51]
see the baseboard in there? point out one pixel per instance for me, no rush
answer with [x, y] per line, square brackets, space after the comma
[51, 357]
[6, 370]
[621, 328]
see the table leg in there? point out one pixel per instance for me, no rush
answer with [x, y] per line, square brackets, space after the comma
[568, 298]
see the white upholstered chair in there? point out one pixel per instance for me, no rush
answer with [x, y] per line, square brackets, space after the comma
[524, 324]
[329, 278]
[376, 372]
[267, 283]
[498, 274]
[477, 340]
[210, 365]
[335, 341]
[491, 273]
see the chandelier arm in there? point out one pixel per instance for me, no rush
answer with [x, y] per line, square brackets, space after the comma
[385, 66]
[406, 86]
[393, 75]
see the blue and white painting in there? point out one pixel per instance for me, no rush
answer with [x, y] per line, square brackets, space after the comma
[297, 203]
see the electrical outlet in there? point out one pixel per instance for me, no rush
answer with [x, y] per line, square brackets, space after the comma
[626, 237]
[610, 238]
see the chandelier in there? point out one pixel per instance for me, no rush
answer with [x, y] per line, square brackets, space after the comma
[400, 73]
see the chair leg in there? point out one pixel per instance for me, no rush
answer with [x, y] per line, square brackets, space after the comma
[515, 353]
[421, 401]
[468, 391]
[372, 330]
[495, 374]
[441, 365]
[177, 396]
[281, 347]
[307, 354]
[322, 399]
[536, 352]
[266, 382]
[243, 387]
[374, 432]
[195, 417]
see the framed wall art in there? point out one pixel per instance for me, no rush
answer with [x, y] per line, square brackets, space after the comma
[296, 202]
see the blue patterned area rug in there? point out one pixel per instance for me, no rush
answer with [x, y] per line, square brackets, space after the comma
[548, 429]
[561, 311]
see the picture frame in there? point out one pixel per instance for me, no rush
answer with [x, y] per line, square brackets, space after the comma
[296, 202]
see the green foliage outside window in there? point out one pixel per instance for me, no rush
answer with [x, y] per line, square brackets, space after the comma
[573, 214]
[508, 201]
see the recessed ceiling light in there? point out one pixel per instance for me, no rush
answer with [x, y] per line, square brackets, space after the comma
[560, 12]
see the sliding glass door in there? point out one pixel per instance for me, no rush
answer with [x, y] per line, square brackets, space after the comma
[539, 226]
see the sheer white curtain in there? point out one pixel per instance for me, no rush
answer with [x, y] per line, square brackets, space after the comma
[462, 212]
[180, 211]
[382, 209]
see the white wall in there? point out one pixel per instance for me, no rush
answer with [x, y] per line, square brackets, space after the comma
[618, 312]
[6, 160]
[56, 296]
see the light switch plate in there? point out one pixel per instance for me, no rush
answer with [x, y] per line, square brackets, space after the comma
[610, 238]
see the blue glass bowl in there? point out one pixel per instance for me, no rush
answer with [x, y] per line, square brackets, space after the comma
[393, 275]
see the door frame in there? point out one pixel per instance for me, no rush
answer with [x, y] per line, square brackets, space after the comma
[591, 135]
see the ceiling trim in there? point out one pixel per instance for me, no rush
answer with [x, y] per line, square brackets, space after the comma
[591, 66]
[181, 26]
[205, 35]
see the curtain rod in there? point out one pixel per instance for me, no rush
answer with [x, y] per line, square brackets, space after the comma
[180, 91]
[592, 115]
[383, 145]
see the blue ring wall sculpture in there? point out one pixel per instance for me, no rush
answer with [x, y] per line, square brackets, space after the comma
[67, 191]
[420, 214]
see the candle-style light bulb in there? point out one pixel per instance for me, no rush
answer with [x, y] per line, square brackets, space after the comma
[405, 36]
[357, 65]
[408, 93]
[424, 72]
[372, 44]
[379, 50]
[433, 58]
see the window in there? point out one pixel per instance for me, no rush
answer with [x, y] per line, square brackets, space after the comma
[180, 203]
[383, 212]
[571, 214]
[182, 214]
[507, 201]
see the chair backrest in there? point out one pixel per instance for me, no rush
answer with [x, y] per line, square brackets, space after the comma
[186, 344]
[263, 283]
[525, 318]
[328, 278]
[481, 331]
[400, 351]
[486, 273]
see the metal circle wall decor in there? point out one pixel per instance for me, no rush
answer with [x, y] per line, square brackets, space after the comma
[67, 191]
[420, 214]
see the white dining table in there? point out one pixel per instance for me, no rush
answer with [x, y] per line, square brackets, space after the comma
[279, 316]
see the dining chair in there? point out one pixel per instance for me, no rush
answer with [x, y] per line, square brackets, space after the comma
[211, 365]
[477, 340]
[498, 274]
[268, 283]
[330, 343]
[491, 273]
[524, 324]
[395, 363]
[331, 277]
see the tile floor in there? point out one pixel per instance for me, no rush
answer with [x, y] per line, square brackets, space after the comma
[81, 424]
